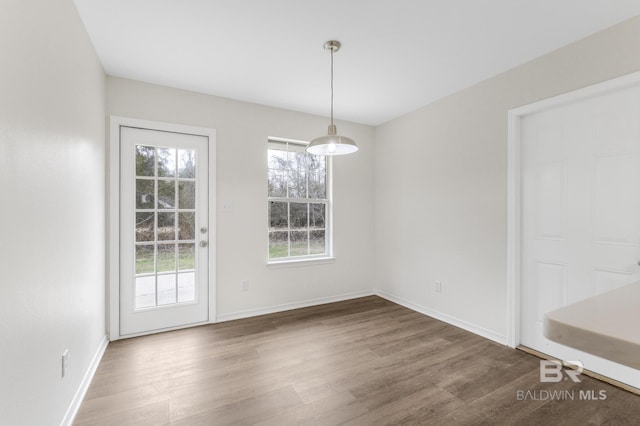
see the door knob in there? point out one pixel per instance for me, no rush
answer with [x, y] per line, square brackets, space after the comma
[203, 243]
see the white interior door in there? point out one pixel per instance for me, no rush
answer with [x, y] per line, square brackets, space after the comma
[580, 213]
[163, 230]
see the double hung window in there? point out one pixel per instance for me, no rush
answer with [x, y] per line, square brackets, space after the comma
[299, 202]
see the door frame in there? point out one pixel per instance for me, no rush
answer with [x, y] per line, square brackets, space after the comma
[113, 214]
[514, 188]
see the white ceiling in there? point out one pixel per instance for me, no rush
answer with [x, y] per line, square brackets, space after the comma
[397, 55]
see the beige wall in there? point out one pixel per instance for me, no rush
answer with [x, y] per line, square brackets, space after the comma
[441, 177]
[242, 132]
[52, 167]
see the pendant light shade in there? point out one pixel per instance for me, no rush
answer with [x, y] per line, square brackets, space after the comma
[332, 143]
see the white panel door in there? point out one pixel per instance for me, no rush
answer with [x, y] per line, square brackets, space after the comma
[580, 213]
[163, 230]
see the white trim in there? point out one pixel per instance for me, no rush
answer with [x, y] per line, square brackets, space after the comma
[213, 234]
[292, 262]
[513, 230]
[279, 139]
[72, 411]
[587, 92]
[164, 330]
[294, 305]
[330, 216]
[113, 231]
[480, 331]
[514, 172]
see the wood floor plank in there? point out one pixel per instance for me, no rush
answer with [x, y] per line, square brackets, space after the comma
[333, 409]
[152, 414]
[365, 361]
[245, 411]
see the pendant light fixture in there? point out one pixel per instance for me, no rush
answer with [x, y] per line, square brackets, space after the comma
[332, 144]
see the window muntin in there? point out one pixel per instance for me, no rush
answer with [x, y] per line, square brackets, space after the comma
[299, 202]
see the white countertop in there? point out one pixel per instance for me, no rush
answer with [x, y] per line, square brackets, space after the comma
[606, 325]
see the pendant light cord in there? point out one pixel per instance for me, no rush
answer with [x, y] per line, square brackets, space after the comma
[332, 86]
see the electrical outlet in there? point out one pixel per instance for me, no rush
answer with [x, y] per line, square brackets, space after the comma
[65, 362]
[245, 286]
[438, 287]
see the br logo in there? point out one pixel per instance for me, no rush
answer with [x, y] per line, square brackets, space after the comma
[554, 371]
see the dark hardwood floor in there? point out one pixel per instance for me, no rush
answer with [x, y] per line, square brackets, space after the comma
[360, 362]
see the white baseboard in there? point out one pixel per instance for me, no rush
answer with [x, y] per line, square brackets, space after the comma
[480, 331]
[70, 415]
[294, 305]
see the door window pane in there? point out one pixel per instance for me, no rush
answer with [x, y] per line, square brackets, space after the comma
[145, 257]
[167, 289]
[186, 163]
[186, 256]
[166, 226]
[187, 226]
[145, 294]
[166, 194]
[144, 226]
[145, 194]
[187, 287]
[186, 195]
[145, 160]
[166, 162]
[166, 260]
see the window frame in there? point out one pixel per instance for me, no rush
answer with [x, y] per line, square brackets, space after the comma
[300, 260]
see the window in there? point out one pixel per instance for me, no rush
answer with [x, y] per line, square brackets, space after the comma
[299, 202]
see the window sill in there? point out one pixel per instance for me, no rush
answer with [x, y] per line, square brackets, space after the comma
[293, 263]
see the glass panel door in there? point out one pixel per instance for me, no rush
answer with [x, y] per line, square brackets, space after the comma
[164, 230]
